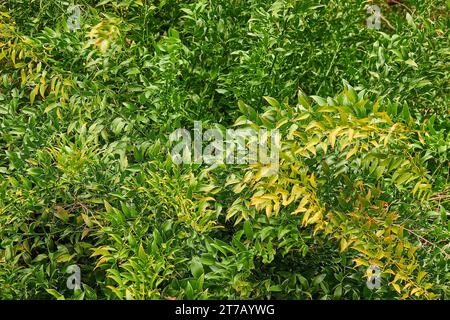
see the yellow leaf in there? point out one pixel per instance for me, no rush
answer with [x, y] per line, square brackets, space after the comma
[406, 295]
[396, 287]
[351, 133]
[42, 88]
[304, 201]
[317, 217]
[101, 251]
[314, 124]
[13, 56]
[101, 261]
[87, 220]
[386, 139]
[256, 201]
[305, 218]
[276, 207]
[303, 116]
[33, 93]
[343, 244]
[374, 143]
[312, 180]
[360, 262]
[58, 113]
[269, 208]
[415, 290]
[263, 172]
[421, 275]
[326, 109]
[333, 135]
[61, 213]
[274, 103]
[52, 84]
[24, 76]
[351, 152]
[299, 209]
[84, 233]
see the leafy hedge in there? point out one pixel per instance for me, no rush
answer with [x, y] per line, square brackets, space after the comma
[86, 176]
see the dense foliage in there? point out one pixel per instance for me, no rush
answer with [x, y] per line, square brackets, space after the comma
[86, 176]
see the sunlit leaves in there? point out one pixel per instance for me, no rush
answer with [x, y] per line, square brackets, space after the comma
[292, 191]
[85, 177]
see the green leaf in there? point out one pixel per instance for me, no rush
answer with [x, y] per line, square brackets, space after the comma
[248, 229]
[303, 100]
[32, 96]
[55, 294]
[196, 268]
[61, 214]
[319, 100]
[318, 279]
[338, 292]
[189, 291]
[412, 63]
[274, 103]
[406, 114]
[410, 20]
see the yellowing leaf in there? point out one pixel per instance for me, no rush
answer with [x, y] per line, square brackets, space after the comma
[421, 275]
[397, 287]
[33, 93]
[360, 262]
[416, 290]
[23, 75]
[333, 135]
[312, 180]
[351, 152]
[61, 214]
[343, 244]
[386, 139]
[351, 133]
[269, 211]
[274, 103]
[42, 88]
